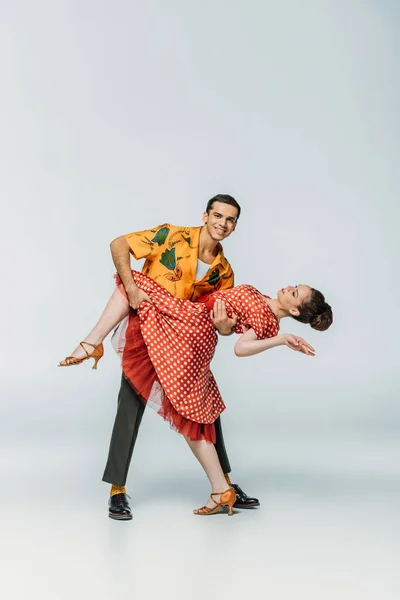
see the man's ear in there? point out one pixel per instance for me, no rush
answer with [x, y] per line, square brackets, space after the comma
[294, 312]
[205, 217]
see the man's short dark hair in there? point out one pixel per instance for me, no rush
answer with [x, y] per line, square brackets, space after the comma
[225, 199]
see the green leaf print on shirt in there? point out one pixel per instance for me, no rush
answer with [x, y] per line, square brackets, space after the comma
[168, 259]
[161, 236]
[214, 277]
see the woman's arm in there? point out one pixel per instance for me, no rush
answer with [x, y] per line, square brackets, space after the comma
[248, 344]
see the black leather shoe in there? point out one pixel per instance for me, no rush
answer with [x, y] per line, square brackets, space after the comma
[119, 508]
[242, 500]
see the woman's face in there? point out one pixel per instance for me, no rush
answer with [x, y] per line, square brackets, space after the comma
[290, 298]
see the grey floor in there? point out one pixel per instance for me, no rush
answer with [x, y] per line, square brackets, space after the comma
[328, 527]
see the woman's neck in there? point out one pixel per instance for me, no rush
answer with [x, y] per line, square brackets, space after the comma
[276, 308]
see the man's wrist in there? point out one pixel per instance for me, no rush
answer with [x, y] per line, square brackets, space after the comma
[224, 330]
[131, 287]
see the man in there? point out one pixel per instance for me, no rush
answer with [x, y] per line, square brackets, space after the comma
[189, 262]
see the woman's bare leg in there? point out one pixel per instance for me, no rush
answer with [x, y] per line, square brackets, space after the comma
[208, 458]
[116, 309]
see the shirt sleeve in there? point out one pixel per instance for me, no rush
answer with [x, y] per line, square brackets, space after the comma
[264, 325]
[148, 244]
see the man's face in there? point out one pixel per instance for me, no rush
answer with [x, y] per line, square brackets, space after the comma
[220, 221]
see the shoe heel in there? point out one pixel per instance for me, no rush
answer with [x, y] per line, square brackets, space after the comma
[96, 360]
[230, 506]
[230, 501]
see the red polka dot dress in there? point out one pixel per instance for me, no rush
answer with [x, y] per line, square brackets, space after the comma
[167, 348]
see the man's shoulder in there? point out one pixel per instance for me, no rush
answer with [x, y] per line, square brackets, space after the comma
[168, 230]
[183, 234]
[183, 228]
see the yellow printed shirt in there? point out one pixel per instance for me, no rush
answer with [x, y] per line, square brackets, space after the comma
[171, 255]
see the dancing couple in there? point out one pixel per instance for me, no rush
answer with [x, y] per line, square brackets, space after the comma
[167, 318]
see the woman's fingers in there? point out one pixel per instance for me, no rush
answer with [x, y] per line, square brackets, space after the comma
[305, 344]
[300, 342]
[297, 343]
[306, 348]
[307, 351]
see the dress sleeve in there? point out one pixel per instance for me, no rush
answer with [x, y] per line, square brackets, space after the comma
[265, 324]
[147, 244]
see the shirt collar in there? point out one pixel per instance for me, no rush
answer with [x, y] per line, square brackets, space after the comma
[220, 259]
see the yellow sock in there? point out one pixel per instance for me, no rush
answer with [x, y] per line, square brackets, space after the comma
[228, 481]
[117, 489]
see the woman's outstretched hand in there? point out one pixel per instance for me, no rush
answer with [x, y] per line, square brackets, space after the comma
[220, 319]
[294, 342]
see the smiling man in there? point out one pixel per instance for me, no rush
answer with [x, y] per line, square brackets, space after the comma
[189, 262]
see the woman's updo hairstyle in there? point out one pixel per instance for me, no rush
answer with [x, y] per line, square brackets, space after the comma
[316, 312]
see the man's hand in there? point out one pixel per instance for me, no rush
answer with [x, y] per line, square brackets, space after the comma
[294, 342]
[220, 319]
[136, 296]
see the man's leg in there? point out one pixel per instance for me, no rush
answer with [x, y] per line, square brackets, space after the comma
[220, 447]
[242, 500]
[126, 426]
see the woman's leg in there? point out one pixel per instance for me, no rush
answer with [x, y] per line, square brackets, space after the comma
[116, 309]
[207, 456]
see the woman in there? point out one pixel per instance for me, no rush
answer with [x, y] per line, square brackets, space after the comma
[168, 346]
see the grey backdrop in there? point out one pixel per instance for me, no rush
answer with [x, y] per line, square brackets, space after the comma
[118, 117]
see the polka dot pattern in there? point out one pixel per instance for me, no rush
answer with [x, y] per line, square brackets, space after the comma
[181, 341]
[251, 308]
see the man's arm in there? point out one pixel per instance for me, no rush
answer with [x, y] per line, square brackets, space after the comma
[219, 317]
[120, 252]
